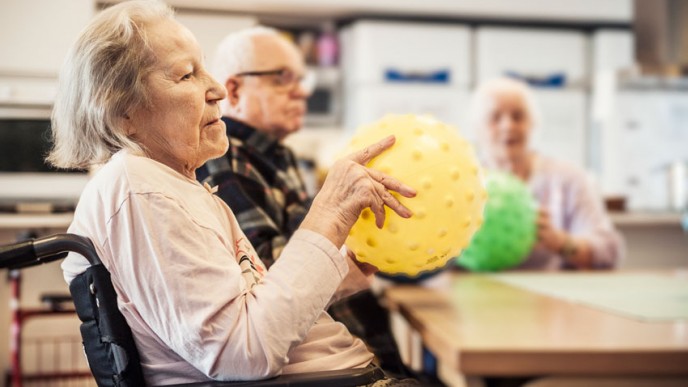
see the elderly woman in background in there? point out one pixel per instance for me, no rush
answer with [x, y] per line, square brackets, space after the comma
[134, 95]
[574, 230]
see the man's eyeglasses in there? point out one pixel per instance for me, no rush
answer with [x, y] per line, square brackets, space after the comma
[285, 79]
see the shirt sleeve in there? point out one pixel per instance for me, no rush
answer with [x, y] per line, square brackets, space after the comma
[589, 220]
[185, 282]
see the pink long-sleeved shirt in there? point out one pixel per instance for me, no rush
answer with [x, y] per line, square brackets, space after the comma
[200, 303]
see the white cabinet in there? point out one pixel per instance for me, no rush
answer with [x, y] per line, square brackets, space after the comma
[370, 103]
[404, 68]
[35, 35]
[562, 133]
[612, 50]
[647, 136]
[379, 52]
[533, 53]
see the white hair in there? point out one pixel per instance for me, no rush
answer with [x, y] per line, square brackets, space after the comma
[236, 53]
[101, 81]
[480, 102]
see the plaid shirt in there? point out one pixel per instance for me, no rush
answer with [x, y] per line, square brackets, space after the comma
[258, 178]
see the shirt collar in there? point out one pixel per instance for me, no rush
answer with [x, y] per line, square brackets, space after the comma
[250, 135]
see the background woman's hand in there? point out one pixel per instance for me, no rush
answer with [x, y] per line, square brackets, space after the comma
[548, 236]
[349, 188]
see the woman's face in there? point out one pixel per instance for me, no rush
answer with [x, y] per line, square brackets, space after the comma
[508, 126]
[180, 126]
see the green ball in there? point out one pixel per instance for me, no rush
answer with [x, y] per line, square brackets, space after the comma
[508, 231]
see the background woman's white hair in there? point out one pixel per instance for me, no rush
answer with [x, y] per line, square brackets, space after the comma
[481, 101]
[101, 81]
[236, 53]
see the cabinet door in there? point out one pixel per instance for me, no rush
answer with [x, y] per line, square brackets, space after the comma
[647, 137]
[562, 133]
[533, 53]
[374, 50]
[369, 103]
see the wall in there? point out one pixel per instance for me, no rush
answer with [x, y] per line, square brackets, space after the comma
[36, 34]
[210, 29]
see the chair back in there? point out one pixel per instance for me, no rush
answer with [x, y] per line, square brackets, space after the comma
[107, 339]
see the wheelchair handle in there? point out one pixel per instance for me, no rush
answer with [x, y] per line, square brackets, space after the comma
[43, 250]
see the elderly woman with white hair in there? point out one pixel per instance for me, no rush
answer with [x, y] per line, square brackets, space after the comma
[573, 229]
[135, 96]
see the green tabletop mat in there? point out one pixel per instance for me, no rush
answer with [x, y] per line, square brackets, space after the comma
[647, 297]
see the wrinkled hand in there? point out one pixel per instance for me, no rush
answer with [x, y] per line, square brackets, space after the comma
[548, 236]
[349, 188]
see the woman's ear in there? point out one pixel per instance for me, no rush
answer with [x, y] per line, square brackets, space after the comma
[128, 125]
[233, 85]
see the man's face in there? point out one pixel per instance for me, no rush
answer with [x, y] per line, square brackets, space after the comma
[274, 103]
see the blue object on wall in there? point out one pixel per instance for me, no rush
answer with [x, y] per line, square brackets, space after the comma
[552, 80]
[439, 76]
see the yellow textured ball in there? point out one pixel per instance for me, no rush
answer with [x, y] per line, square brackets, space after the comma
[442, 167]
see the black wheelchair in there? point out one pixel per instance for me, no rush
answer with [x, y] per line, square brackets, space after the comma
[107, 339]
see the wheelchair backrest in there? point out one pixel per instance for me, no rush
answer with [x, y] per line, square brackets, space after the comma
[108, 342]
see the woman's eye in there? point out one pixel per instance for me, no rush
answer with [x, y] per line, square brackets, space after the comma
[186, 76]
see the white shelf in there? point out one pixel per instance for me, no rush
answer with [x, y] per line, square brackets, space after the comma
[32, 221]
[615, 11]
[646, 218]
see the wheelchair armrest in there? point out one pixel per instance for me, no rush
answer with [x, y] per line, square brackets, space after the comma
[337, 378]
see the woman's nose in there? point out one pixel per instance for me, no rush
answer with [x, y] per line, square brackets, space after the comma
[215, 91]
[505, 123]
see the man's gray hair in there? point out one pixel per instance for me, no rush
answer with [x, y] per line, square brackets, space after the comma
[236, 53]
[101, 81]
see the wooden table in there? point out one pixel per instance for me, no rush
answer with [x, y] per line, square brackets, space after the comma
[479, 326]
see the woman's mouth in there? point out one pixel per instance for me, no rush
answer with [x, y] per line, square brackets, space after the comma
[213, 121]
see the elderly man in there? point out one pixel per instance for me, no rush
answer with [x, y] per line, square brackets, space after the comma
[264, 75]
[266, 102]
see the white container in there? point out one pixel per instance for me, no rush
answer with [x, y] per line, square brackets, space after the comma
[533, 53]
[372, 48]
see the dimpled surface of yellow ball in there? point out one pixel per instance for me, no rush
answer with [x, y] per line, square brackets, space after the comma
[433, 159]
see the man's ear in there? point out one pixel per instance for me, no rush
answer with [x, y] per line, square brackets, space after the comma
[232, 85]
